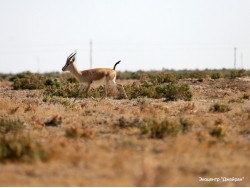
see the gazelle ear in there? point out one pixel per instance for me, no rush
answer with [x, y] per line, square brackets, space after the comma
[72, 59]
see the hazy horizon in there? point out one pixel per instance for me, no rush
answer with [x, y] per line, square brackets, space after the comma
[38, 35]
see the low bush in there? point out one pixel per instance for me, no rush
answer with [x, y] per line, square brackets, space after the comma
[71, 90]
[74, 132]
[217, 107]
[52, 82]
[54, 121]
[124, 123]
[216, 75]
[154, 128]
[171, 91]
[161, 78]
[10, 125]
[31, 81]
[218, 132]
[22, 148]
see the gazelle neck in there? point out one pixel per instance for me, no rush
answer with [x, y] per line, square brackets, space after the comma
[77, 74]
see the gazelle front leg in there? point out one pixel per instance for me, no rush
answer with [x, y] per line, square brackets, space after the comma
[80, 91]
[87, 90]
[106, 88]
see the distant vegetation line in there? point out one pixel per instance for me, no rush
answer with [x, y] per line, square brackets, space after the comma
[179, 74]
[166, 84]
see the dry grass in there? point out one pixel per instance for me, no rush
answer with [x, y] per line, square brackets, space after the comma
[136, 142]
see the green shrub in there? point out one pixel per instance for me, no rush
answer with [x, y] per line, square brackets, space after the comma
[126, 75]
[20, 75]
[29, 81]
[174, 92]
[52, 82]
[216, 75]
[162, 77]
[67, 90]
[171, 91]
[233, 74]
[71, 90]
[141, 91]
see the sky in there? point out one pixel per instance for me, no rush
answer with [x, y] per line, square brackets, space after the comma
[38, 35]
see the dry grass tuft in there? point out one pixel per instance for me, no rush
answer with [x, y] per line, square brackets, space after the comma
[10, 125]
[22, 148]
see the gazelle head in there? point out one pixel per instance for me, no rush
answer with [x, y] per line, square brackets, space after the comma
[70, 60]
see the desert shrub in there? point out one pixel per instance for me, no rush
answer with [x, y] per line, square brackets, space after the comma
[241, 73]
[22, 148]
[10, 125]
[170, 92]
[216, 75]
[74, 132]
[186, 124]
[20, 75]
[28, 81]
[154, 128]
[52, 82]
[5, 77]
[66, 90]
[54, 121]
[218, 132]
[126, 75]
[174, 92]
[70, 90]
[162, 77]
[124, 123]
[233, 74]
[72, 80]
[197, 74]
[246, 96]
[217, 107]
[141, 91]
[66, 102]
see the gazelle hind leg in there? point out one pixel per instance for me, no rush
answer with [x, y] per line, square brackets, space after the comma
[123, 90]
[106, 89]
[120, 86]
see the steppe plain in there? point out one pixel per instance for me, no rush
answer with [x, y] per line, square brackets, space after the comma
[100, 143]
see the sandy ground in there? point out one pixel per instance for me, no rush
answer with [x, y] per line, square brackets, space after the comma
[109, 151]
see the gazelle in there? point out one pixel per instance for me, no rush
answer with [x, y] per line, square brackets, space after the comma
[87, 77]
